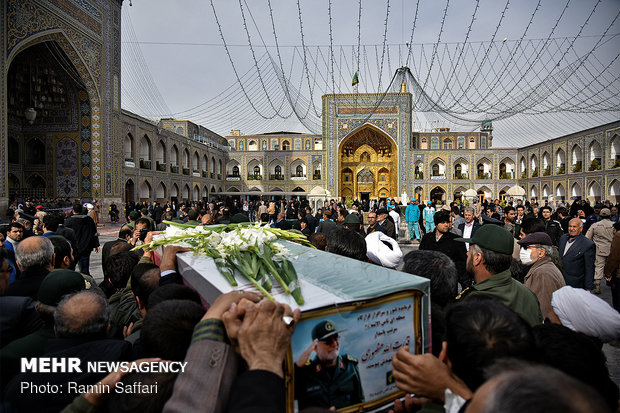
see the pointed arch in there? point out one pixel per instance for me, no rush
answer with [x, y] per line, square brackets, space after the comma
[461, 168]
[614, 190]
[560, 193]
[560, 161]
[129, 147]
[595, 156]
[174, 191]
[160, 192]
[298, 168]
[575, 190]
[484, 168]
[614, 151]
[145, 190]
[594, 192]
[438, 168]
[576, 158]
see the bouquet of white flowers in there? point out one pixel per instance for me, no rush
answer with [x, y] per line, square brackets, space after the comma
[246, 248]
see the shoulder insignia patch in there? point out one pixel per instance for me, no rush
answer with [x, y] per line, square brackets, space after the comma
[463, 293]
[352, 359]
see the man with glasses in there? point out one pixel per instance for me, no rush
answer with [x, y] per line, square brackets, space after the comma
[542, 277]
[329, 380]
[373, 224]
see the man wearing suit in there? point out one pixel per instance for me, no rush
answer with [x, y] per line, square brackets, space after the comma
[578, 255]
[470, 226]
[384, 221]
[327, 225]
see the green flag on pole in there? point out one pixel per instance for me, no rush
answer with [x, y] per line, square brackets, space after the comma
[355, 80]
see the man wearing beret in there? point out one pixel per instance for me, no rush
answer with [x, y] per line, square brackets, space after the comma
[543, 277]
[329, 379]
[488, 263]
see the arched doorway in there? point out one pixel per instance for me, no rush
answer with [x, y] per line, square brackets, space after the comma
[49, 110]
[438, 194]
[130, 195]
[365, 153]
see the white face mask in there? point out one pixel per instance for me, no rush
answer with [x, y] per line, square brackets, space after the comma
[525, 256]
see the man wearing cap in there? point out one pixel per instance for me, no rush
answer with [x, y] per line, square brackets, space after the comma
[578, 255]
[427, 216]
[412, 216]
[329, 379]
[193, 216]
[602, 234]
[543, 277]
[352, 222]
[384, 221]
[488, 263]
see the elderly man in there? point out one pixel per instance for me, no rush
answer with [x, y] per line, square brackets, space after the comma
[53, 288]
[81, 324]
[35, 259]
[542, 277]
[330, 379]
[601, 233]
[578, 254]
[384, 221]
[488, 262]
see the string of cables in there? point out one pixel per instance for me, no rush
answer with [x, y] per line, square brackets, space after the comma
[562, 82]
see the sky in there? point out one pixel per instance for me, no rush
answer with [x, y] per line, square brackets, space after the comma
[178, 46]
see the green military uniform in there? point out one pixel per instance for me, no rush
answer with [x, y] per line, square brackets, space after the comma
[319, 385]
[339, 385]
[511, 293]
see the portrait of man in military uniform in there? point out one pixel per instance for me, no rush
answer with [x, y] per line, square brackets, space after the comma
[329, 379]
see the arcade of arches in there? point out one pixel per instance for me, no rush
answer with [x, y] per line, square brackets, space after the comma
[368, 165]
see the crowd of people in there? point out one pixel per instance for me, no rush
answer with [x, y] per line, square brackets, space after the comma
[516, 321]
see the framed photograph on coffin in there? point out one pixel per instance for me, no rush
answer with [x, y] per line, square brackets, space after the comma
[341, 355]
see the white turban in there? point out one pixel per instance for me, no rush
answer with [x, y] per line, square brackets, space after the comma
[379, 253]
[89, 206]
[586, 313]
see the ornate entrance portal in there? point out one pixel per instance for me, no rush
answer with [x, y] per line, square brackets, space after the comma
[368, 165]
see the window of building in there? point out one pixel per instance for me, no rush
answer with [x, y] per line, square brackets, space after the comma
[297, 144]
[447, 144]
[461, 142]
[241, 145]
[483, 142]
[257, 170]
[278, 170]
[286, 146]
[235, 170]
[275, 145]
[434, 142]
[308, 144]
